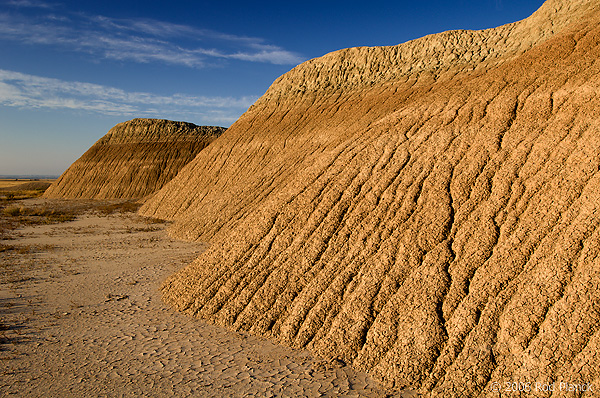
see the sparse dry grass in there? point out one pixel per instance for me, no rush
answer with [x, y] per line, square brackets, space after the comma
[9, 196]
[38, 215]
[11, 182]
[26, 249]
[11, 189]
[14, 213]
[7, 183]
[121, 207]
[142, 229]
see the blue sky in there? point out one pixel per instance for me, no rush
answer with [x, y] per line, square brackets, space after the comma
[70, 70]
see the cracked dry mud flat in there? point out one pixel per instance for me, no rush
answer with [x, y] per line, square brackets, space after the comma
[81, 315]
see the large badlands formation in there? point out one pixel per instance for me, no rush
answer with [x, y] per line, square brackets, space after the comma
[134, 159]
[427, 212]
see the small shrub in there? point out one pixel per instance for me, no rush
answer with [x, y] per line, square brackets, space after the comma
[24, 249]
[13, 211]
[5, 248]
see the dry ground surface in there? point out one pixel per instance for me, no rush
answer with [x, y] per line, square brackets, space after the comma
[81, 315]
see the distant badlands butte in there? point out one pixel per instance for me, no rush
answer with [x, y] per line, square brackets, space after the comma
[133, 160]
[427, 212]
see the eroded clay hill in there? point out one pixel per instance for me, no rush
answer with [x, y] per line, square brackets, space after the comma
[133, 160]
[428, 212]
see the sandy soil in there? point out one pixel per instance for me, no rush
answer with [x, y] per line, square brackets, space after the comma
[81, 315]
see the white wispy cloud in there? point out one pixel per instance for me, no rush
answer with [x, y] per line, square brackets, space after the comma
[138, 40]
[28, 4]
[37, 92]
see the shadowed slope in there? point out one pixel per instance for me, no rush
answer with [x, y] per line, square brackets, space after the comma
[440, 231]
[134, 159]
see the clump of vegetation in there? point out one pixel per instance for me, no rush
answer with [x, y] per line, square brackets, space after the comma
[5, 248]
[38, 215]
[12, 211]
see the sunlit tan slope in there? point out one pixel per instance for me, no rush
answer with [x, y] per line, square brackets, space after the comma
[434, 223]
[134, 159]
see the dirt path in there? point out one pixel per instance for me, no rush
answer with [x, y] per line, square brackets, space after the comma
[80, 315]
